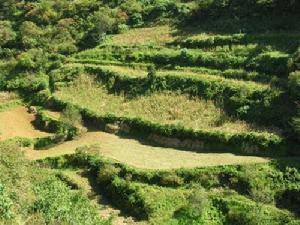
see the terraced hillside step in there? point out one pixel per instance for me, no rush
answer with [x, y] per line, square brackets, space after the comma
[250, 58]
[203, 40]
[238, 74]
[245, 96]
[137, 154]
[188, 72]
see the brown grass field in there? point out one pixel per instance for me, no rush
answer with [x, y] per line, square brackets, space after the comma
[158, 35]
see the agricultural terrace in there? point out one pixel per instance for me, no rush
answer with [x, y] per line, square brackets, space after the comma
[163, 108]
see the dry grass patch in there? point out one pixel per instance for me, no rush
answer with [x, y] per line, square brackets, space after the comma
[7, 97]
[136, 154]
[53, 114]
[159, 35]
[163, 108]
[127, 71]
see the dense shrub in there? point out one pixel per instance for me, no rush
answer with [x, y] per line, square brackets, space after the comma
[57, 203]
[107, 173]
[7, 33]
[71, 115]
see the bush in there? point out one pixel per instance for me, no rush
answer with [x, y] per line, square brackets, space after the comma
[107, 173]
[172, 180]
[7, 33]
[71, 116]
[294, 61]
[192, 213]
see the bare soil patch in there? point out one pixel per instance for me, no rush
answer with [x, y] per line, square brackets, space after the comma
[17, 122]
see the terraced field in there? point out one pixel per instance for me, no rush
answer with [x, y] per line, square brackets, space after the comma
[163, 108]
[142, 155]
[152, 112]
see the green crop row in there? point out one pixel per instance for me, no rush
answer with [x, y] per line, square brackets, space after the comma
[36, 143]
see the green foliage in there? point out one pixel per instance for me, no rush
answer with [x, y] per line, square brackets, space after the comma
[171, 180]
[294, 61]
[71, 115]
[63, 128]
[35, 195]
[7, 33]
[249, 15]
[143, 194]
[57, 203]
[250, 58]
[107, 173]
[5, 205]
[30, 34]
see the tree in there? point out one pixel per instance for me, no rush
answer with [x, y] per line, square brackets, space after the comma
[30, 34]
[7, 33]
[99, 24]
[42, 12]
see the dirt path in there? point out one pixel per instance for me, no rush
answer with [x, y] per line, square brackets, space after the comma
[136, 154]
[17, 123]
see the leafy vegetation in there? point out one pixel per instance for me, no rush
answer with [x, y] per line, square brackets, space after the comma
[31, 195]
[224, 195]
[198, 75]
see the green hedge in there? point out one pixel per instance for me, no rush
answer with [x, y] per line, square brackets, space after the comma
[208, 41]
[222, 59]
[45, 122]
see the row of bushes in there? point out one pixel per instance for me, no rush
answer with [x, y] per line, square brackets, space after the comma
[245, 143]
[275, 62]
[289, 41]
[238, 74]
